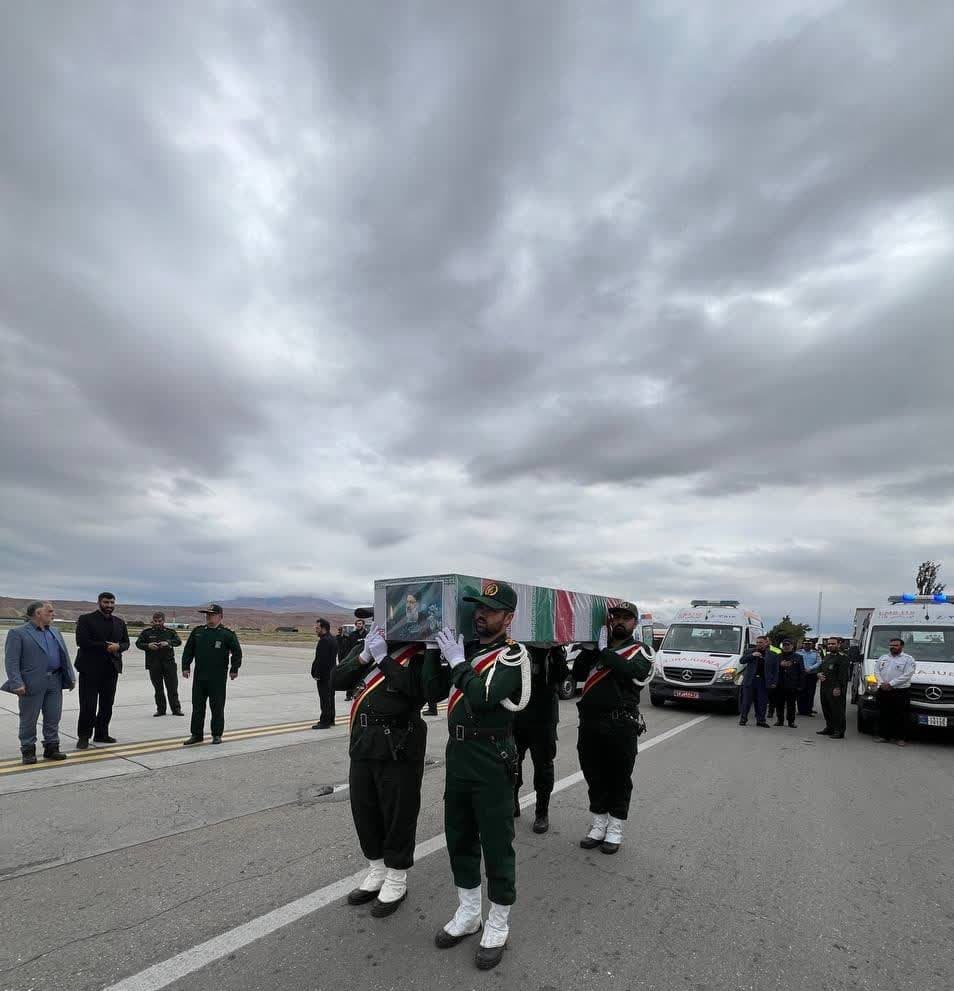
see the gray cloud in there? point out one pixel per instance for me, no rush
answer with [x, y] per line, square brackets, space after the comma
[297, 295]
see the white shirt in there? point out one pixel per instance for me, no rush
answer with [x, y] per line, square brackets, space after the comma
[895, 671]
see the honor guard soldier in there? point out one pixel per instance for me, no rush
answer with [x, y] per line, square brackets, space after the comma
[388, 741]
[218, 657]
[535, 729]
[833, 676]
[485, 682]
[610, 723]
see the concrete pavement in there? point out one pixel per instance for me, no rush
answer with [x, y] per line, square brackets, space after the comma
[754, 859]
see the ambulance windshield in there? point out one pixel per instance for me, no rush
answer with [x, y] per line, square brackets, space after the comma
[924, 643]
[705, 639]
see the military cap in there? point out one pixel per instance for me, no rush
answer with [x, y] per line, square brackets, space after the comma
[629, 607]
[212, 607]
[495, 595]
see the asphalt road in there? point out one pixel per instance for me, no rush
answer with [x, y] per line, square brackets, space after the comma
[755, 859]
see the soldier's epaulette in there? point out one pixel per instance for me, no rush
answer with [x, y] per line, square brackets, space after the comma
[514, 654]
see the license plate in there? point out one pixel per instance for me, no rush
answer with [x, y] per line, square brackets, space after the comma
[686, 695]
[932, 720]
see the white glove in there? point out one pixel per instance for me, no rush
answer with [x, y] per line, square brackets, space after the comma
[451, 649]
[603, 642]
[376, 645]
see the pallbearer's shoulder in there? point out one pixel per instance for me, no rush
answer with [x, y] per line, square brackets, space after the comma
[513, 653]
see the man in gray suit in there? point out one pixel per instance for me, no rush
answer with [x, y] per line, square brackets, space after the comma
[38, 669]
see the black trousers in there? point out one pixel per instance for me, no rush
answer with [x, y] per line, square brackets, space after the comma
[607, 752]
[97, 692]
[833, 709]
[385, 802]
[211, 689]
[326, 701]
[786, 701]
[806, 697]
[894, 712]
[540, 741]
[164, 676]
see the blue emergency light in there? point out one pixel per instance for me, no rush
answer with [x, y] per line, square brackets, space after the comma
[909, 597]
[941, 597]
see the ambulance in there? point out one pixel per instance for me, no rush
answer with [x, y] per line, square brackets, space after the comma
[926, 625]
[699, 657]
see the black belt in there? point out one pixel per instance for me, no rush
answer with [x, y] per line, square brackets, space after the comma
[611, 715]
[395, 722]
[461, 732]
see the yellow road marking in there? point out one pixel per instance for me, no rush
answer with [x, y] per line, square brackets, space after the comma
[133, 750]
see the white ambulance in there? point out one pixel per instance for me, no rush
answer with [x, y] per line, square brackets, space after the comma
[699, 657]
[926, 625]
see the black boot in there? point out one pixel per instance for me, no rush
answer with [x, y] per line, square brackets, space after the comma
[542, 822]
[28, 755]
[82, 743]
[51, 751]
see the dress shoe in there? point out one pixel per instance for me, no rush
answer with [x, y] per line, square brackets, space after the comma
[82, 743]
[104, 739]
[178, 712]
[823, 732]
[192, 741]
[53, 753]
[838, 736]
[542, 823]
[361, 897]
[158, 714]
[793, 726]
[216, 739]
[489, 956]
[381, 910]
[323, 726]
[28, 755]
[763, 725]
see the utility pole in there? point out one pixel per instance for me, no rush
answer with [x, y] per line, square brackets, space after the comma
[818, 631]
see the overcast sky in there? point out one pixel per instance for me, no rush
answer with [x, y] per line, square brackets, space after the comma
[645, 299]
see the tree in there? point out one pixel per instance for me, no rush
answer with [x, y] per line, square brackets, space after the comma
[785, 628]
[927, 578]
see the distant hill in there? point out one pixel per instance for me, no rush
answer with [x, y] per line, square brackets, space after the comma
[287, 603]
[237, 617]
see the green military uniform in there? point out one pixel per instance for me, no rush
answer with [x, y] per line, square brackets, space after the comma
[609, 712]
[216, 652]
[835, 668]
[161, 665]
[388, 741]
[481, 762]
[535, 727]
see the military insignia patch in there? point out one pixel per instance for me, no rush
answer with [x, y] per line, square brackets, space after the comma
[491, 589]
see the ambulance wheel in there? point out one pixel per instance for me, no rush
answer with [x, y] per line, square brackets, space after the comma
[567, 688]
[656, 700]
[866, 723]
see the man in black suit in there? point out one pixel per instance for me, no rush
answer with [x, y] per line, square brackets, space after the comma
[322, 669]
[101, 639]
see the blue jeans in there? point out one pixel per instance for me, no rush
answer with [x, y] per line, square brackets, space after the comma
[756, 691]
[50, 703]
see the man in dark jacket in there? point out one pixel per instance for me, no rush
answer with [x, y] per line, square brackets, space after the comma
[833, 676]
[535, 729]
[322, 669]
[791, 678]
[101, 639]
[159, 643]
[759, 678]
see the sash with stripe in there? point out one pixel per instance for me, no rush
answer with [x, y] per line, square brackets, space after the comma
[484, 664]
[599, 672]
[374, 677]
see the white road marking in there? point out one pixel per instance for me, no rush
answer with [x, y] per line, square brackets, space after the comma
[166, 972]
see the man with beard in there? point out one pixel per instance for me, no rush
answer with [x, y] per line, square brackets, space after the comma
[487, 682]
[895, 670]
[833, 676]
[322, 669]
[609, 723]
[791, 676]
[159, 643]
[535, 729]
[218, 657]
[354, 639]
[101, 639]
[388, 741]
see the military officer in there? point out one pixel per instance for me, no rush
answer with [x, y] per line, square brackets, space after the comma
[388, 741]
[833, 676]
[218, 657]
[609, 720]
[158, 643]
[535, 729]
[485, 682]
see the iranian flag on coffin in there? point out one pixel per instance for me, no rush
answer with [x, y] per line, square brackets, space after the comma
[556, 615]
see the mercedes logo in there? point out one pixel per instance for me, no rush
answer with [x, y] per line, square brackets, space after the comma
[687, 675]
[933, 694]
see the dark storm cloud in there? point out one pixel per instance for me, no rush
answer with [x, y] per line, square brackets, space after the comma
[432, 280]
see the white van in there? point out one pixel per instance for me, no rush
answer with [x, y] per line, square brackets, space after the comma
[926, 625]
[699, 657]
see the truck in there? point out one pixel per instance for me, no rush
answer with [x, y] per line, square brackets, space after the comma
[698, 660]
[926, 625]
